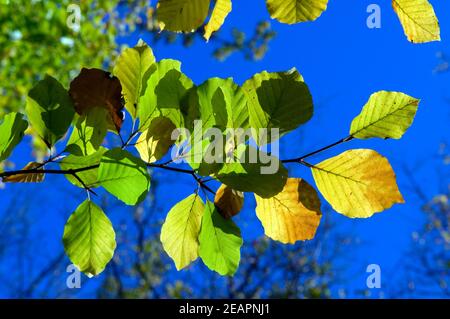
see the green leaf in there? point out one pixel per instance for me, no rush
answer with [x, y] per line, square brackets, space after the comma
[89, 132]
[133, 68]
[277, 100]
[221, 10]
[221, 103]
[357, 183]
[155, 142]
[12, 129]
[180, 231]
[182, 15]
[295, 11]
[166, 90]
[255, 172]
[124, 176]
[89, 177]
[50, 110]
[386, 115]
[89, 239]
[220, 242]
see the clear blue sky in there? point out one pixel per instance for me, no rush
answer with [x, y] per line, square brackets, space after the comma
[343, 62]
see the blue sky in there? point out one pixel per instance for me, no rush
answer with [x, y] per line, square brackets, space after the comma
[343, 62]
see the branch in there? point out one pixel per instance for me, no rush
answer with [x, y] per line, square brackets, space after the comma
[301, 159]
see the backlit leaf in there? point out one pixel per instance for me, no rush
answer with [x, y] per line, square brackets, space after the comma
[418, 19]
[221, 10]
[97, 88]
[357, 183]
[49, 110]
[154, 143]
[12, 130]
[220, 242]
[278, 100]
[124, 176]
[133, 69]
[89, 239]
[180, 231]
[295, 11]
[182, 15]
[386, 115]
[228, 201]
[291, 215]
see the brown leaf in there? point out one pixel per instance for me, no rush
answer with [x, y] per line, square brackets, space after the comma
[27, 178]
[228, 201]
[98, 88]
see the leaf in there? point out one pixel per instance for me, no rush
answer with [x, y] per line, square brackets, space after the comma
[89, 132]
[98, 88]
[166, 89]
[228, 201]
[220, 242]
[221, 103]
[295, 11]
[12, 130]
[133, 68]
[418, 20]
[49, 110]
[27, 178]
[357, 183]
[182, 15]
[291, 215]
[221, 10]
[180, 231]
[89, 177]
[278, 100]
[124, 176]
[89, 239]
[155, 142]
[386, 115]
[253, 174]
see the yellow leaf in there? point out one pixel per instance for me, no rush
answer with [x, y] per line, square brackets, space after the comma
[418, 19]
[154, 143]
[27, 178]
[357, 183]
[182, 15]
[228, 201]
[291, 215]
[218, 16]
[295, 11]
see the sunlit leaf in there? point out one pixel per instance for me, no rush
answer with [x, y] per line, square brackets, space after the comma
[167, 87]
[89, 177]
[124, 176]
[357, 183]
[228, 201]
[386, 115]
[89, 132]
[97, 88]
[221, 10]
[220, 242]
[89, 239]
[12, 129]
[182, 15]
[291, 215]
[180, 231]
[154, 143]
[27, 177]
[295, 11]
[418, 19]
[133, 69]
[278, 100]
[49, 110]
